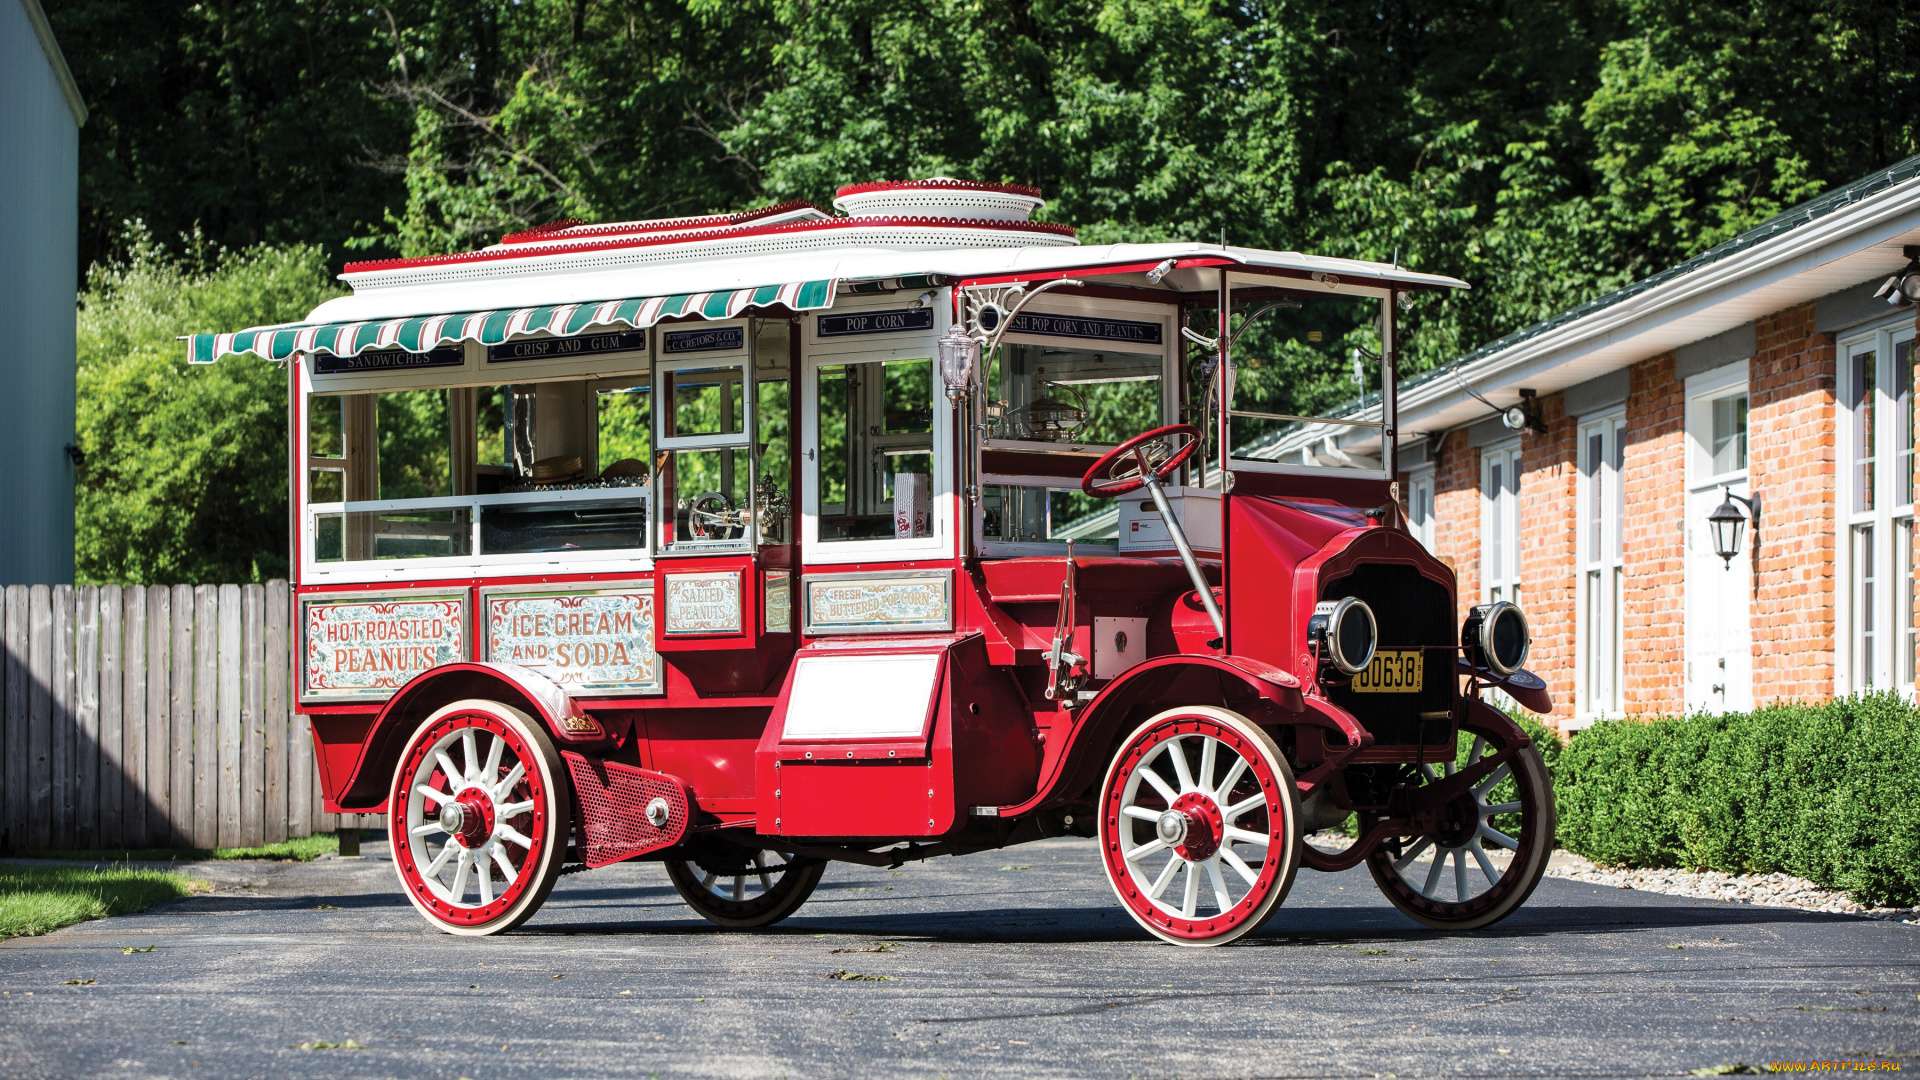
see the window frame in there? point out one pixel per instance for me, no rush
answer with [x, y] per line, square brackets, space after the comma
[1420, 483]
[1882, 591]
[1506, 455]
[633, 364]
[817, 352]
[1095, 307]
[1598, 614]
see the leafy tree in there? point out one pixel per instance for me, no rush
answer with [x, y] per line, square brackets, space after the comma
[185, 479]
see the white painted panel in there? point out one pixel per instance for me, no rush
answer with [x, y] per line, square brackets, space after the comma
[860, 697]
[1118, 644]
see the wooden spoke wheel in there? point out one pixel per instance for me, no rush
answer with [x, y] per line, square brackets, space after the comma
[1483, 858]
[479, 817]
[1199, 826]
[741, 887]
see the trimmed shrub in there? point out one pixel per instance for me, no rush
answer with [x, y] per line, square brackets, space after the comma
[1827, 792]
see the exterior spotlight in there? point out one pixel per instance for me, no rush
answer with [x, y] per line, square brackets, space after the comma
[1726, 521]
[959, 354]
[1525, 416]
[1154, 275]
[1903, 288]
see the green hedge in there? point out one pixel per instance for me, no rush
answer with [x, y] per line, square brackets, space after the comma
[1829, 792]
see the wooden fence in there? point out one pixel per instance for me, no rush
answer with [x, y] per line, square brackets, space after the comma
[153, 716]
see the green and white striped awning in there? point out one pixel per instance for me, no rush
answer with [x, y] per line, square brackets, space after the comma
[422, 333]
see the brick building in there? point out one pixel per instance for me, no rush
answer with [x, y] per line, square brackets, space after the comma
[1765, 368]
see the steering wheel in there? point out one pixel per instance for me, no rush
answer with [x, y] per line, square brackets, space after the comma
[1148, 454]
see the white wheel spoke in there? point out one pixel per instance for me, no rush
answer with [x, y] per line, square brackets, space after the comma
[1500, 808]
[1486, 864]
[1493, 778]
[454, 776]
[436, 795]
[1413, 853]
[760, 865]
[1239, 865]
[440, 861]
[1428, 769]
[492, 768]
[1140, 813]
[512, 835]
[428, 829]
[1242, 836]
[505, 864]
[1433, 874]
[1460, 875]
[485, 873]
[1166, 876]
[706, 881]
[1234, 772]
[1479, 747]
[1209, 757]
[472, 749]
[1177, 752]
[1159, 785]
[459, 889]
[1220, 894]
[501, 789]
[514, 809]
[1191, 901]
[1232, 813]
[1146, 849]
[1488, 832]
[739, 887]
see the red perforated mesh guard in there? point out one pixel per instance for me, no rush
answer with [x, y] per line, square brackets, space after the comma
[613, 809]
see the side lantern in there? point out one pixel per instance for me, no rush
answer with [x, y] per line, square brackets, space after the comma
[1496, 637]
[1344, 634]
[959, 354]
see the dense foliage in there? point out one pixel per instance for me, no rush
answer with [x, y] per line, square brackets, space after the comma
[1543, 152]
[1827, 792]
[185, 474]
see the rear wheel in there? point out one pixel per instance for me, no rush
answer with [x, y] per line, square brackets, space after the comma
[479, 817]
[1481, 858]
[1199, 826]
[742, 888]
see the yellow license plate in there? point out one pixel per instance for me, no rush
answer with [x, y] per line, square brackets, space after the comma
[1393, 671]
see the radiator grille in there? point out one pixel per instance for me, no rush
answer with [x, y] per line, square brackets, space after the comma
[1412, 611]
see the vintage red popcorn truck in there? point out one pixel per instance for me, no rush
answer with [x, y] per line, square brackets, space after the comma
[751, 542]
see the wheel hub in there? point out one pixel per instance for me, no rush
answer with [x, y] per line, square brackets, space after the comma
[473, 817]
[1199, 824]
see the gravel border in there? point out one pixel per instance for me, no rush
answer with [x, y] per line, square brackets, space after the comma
[1765, 890]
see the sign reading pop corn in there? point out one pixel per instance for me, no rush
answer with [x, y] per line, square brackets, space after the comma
[368, 648]
[582, 641]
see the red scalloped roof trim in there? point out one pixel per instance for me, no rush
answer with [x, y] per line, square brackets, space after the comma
[727, 233]
[581, 229]
[937, 185]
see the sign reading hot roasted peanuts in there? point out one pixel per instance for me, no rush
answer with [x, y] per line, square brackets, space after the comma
[582, 641]
[368, 648]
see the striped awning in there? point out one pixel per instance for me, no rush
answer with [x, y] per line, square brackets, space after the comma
[422, 333]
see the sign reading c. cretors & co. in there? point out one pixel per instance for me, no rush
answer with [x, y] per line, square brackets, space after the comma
[595, 640]
[368, 647]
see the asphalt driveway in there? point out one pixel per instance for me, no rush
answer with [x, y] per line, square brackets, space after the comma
[1013, 963]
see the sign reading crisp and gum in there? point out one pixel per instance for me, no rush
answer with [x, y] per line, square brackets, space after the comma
[370, 648]
[582, 641]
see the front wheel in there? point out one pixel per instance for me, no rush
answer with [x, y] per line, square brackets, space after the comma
[743, 888]
[1486, 851]
[480, 815]
[1199, 826]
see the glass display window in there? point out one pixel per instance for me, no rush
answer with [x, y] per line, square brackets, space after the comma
[875, 463]
[706, 426]
[1080, 375]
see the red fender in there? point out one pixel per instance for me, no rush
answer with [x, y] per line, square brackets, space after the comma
[364, 790]
[1076, 765]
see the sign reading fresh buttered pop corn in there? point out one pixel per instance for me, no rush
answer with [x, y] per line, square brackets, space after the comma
[582, 641]
[368, 648]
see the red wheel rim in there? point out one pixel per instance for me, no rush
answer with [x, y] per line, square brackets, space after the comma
[473, 867]
[1225, 794]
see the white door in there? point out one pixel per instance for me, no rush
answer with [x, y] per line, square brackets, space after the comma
[1719, 604]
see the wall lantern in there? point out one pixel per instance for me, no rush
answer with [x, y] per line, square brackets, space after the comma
[959, 354]
[1726, 521]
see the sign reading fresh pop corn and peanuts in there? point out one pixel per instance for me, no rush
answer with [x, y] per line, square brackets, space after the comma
[600, 640]
[368, 647]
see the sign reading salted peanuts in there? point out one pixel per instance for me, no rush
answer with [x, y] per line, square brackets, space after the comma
[368, 647]
[598, 640]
